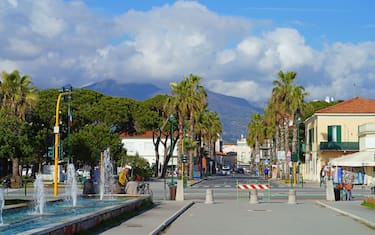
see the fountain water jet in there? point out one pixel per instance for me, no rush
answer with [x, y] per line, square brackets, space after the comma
[2, 203]
[71, 188]
[106, 175]
[39, 196]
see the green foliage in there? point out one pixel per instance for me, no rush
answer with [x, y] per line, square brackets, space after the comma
[139, 166]
[314, 106]
[90, 140]
[14, 140]
[368, 204]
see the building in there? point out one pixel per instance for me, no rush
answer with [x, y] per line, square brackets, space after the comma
[243, 154]
[333, 132]
[142, 145]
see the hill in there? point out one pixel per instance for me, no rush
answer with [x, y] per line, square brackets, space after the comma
[235, 113]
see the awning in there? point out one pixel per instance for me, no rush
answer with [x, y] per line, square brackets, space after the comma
[362, 158]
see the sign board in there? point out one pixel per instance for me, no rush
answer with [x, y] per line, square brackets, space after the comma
[281, 155]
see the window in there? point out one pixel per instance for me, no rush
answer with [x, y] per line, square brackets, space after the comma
[311, 135]
[334, 134]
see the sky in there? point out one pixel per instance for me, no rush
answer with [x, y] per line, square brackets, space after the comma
[237, 47]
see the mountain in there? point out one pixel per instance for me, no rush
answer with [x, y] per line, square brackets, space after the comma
[136, 91]
[235, 113]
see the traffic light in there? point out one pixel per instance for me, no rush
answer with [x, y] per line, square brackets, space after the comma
[183, 158]
[294, 157]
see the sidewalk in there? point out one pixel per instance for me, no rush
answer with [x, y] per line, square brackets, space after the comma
[166, 212]
[152, 221]
[352, 209]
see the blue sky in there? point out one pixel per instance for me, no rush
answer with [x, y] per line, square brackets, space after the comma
[238, 47]
[320, 21]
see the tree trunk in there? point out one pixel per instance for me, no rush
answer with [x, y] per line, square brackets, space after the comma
[16, 180]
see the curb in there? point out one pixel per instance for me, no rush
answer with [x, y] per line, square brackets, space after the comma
[169, 221]
[357, 218]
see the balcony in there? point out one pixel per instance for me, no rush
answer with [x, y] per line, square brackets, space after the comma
[340, 146]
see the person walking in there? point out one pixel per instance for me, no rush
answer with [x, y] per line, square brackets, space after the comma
[266, 171]
[322, 176]
[348, 189]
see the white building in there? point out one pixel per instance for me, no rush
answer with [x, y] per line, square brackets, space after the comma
[143, 146]
[243, 153]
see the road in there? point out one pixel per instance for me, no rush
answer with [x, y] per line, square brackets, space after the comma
[233, 214]
[240, 217]
[225, 187]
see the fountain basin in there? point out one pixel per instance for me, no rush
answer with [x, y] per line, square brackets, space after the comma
[81, 219]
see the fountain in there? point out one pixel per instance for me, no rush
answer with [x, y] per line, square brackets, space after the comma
[71, 188]
[2, 203]
[106, 175]
[57, 218]
[39, 196]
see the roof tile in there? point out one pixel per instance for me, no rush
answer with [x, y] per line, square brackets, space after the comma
[355, 105]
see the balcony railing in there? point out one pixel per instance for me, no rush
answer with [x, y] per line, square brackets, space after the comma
[339, 146]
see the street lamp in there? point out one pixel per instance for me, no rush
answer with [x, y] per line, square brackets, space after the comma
[172, 119]
[56, 131]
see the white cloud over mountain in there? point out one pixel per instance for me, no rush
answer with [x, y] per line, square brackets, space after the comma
[58, 42]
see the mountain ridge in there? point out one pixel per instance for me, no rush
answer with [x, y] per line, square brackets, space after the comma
[234, 112]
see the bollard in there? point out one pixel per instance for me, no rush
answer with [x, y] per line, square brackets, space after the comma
[209, 196]
[25, 188]
[292, 196]
[253, 196]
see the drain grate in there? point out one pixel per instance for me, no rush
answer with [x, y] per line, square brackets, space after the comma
[260, 210]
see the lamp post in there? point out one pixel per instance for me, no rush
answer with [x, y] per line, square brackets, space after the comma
[172, 119]
[56, 131]
[296, 158]
[298, 141]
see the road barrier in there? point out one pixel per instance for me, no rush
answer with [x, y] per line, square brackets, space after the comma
[258, 187]
[253, 186]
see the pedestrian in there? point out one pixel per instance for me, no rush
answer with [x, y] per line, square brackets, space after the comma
[123, 178]
[322, 175]
[266, 171]
[348, 189]
[132, 187]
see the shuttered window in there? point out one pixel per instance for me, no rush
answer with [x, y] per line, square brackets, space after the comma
[311, 135]
[334, 134]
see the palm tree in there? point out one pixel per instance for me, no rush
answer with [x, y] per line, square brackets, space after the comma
[209, 128]
[256, 134]
[197, 103]
[17, 94]
[18, 97]
[190, 98]
[281, 101]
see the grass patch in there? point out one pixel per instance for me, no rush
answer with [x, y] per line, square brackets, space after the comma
[107, 224]
[368, 204]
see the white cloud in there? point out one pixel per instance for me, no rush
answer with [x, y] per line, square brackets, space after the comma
[59, 42]
[23, 47]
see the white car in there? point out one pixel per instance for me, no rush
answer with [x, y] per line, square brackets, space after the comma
[226, 170]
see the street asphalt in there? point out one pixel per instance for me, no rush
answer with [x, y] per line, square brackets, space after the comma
[227, 216]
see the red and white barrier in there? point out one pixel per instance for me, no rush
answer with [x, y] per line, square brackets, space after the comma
[253, 186]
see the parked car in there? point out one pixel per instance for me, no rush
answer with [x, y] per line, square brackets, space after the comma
[226, 170]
